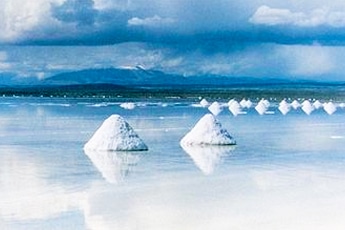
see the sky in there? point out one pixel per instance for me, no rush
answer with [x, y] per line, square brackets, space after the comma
[295, 39]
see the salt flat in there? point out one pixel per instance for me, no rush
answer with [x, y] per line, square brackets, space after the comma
[286, 171]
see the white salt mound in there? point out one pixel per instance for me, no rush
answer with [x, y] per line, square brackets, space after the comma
[128, 105]
[295, 104]
[215, 108]
[246, 103]
[284, 107]
[261, 108]
[208, 131]
[243, 103]
[235, 108]
[284, 103]
[329, 107]
[317, 104]
[307, 107]
[204, 103]
[115, 134]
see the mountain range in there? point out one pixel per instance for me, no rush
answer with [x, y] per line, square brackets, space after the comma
[140, 77]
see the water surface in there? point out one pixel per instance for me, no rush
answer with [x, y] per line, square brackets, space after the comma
[287, 172]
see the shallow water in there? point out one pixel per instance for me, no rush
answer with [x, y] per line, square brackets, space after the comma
[287, 172]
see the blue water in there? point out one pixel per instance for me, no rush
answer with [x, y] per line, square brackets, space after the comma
[286, 172]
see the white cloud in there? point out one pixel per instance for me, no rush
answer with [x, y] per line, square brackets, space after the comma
[150, 21]
[18, 17]
[110, 4]
[266, 15]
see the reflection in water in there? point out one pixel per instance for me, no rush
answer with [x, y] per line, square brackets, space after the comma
[114, 166]
[259, 199]
[273, 185]
[207, 157]
[27, 195]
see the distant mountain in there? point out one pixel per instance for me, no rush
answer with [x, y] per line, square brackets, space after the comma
[139, 76]
[116, 76]
[134, 77]
[141, 83]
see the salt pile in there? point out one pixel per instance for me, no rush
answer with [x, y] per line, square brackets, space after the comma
[262, 106]
[284, 107]
[329, 107]
[231, 101]
[208, 131]
[235, 108]
[115, 134]
[206, 158]
[114, 166]
[204, 103]
[128, 105]
[295, 104]
[246, 103]
[317, 104]
[215, 108]
[307, 107]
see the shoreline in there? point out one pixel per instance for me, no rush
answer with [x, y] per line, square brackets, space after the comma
[102, 91]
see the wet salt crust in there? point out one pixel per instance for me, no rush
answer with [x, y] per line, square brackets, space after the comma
[265, 183]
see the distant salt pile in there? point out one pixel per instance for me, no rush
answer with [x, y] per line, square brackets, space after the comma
[246, 104]
[215, 108]
[317, 104]
[307, 107]
[231, 101]
[266, 103]
[262, 106]
[115, 134]
[329, 107]
[295, 104]
[128, 105]
[284, 107]
[204, 103]
[208, 131]
[235, 108]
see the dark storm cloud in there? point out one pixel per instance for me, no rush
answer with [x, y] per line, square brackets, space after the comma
[263, 38]
[81, 21]
[100, 22]
[80, 12]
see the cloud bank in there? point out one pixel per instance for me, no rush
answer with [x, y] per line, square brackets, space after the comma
[104, 22]
[150, 21]
[266, 15]
[269, 38]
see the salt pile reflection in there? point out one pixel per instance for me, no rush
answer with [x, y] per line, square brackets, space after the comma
[114, 166]
[207, 157]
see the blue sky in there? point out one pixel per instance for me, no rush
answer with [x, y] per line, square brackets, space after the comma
[296, 39]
